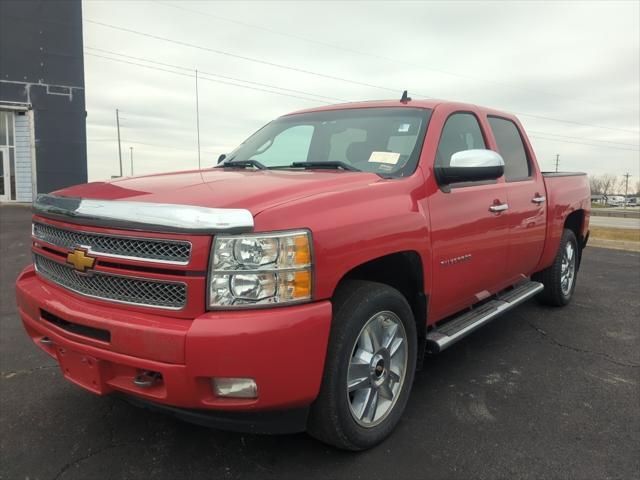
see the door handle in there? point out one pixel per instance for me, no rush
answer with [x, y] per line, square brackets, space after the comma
[539, 199]
[501, 207]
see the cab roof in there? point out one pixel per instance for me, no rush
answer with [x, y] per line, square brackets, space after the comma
[427, 104]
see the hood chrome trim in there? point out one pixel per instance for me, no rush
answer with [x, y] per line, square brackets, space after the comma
[144, 216]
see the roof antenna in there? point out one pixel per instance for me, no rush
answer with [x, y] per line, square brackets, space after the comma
[405, 98]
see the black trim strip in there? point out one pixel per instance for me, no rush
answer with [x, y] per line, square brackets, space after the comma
[265, 422]
[91, 332]
[563, 174]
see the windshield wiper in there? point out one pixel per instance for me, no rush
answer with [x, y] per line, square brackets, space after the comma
[332, 165]
[244, 164]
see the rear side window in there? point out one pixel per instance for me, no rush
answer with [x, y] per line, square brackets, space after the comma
[511, 147]
[461, 132]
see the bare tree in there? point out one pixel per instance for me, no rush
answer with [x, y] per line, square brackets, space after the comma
[595, 182]
[609, 184]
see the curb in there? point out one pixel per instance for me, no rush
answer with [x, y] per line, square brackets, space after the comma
[597, 212]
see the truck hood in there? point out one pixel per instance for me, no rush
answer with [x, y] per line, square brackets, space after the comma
[224, 188]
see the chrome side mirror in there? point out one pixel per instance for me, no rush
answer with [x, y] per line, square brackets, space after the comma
[471, 166]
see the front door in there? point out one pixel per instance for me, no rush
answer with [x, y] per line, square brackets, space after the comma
[469, 238]
[5, 175]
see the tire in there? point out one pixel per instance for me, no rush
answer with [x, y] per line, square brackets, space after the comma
[344, 418]
[556, 292]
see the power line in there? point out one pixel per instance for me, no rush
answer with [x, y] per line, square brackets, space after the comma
[202, 72]
[583, 138]
[308, 99]
[582, 143]
[204, 78]
[573, 122]
[318, 74]
[96, 140]
[242, 57]
[369, 54]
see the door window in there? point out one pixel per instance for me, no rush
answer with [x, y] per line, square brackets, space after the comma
[4, 175]
[7, 161]
[461, 132]
[511, 147]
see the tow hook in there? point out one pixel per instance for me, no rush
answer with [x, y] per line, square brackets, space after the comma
[147, 379]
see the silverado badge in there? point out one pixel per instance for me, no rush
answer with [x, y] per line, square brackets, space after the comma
[80, 260]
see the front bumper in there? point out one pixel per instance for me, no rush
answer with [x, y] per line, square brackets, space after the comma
[283, 349]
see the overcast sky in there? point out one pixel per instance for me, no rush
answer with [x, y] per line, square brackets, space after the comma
[572, 61]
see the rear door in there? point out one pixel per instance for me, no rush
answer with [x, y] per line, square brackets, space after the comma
[526, 197]
[469, 241]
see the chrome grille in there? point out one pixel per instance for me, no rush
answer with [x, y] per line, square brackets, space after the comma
[167, 251]
[131, 290]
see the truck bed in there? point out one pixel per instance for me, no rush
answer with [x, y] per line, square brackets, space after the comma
[566, 192]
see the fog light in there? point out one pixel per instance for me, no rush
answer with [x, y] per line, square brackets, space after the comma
[235, 387]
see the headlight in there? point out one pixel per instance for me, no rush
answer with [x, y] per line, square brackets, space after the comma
[260, 269]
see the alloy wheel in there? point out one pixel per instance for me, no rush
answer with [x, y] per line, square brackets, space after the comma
[567, 269]
[377, 369]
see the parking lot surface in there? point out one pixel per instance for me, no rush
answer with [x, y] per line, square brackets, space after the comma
[538, 393]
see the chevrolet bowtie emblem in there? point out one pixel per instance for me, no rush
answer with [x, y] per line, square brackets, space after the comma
[80, 260]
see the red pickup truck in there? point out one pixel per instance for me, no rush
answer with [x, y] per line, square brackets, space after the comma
[299, 283]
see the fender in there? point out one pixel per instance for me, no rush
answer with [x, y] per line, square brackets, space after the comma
[354, 226]
[563, 199]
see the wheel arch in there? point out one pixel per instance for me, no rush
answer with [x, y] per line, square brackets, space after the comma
[575, 223]
[403, 271]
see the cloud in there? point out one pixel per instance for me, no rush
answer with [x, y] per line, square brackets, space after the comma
[565, 60]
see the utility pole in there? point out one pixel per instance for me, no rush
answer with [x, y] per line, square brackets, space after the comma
[557, 161]
[626, 188]
[198, 118]
[131, 156]
[119, 147]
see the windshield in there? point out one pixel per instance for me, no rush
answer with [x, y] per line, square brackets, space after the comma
[386, 141]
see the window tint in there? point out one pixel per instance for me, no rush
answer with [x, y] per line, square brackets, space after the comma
[290, 145]
[460, 132]
[386, 141]
[510, 146]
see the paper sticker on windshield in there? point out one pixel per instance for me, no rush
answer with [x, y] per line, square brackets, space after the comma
[384, 157]
[404, 128]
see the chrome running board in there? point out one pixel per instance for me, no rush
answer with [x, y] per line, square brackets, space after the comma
[459, 327]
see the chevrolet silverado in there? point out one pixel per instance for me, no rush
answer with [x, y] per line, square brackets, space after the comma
[300, 282]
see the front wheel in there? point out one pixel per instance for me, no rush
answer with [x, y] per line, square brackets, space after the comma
[559, 279]
[369, 369]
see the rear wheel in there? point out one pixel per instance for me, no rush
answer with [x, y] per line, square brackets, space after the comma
[369, 368]
[559, 279]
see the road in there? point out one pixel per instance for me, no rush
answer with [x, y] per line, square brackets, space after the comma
[538, 393]
[615, 222]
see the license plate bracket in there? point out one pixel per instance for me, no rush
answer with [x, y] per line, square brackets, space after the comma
[81, 369]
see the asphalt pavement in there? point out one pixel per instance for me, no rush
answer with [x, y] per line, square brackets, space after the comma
[538, 393]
